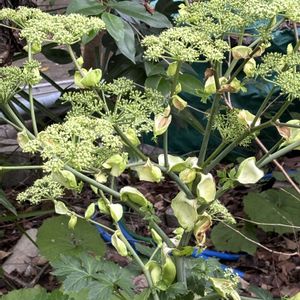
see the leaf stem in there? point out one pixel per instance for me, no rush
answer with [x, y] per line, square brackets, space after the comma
[208, 129]
[32, 112]
[140, 263]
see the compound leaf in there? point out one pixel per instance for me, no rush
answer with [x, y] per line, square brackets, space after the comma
[226, 239]
[275, 207]
[55, 238]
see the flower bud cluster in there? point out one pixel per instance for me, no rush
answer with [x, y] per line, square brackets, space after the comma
[42, 189]
[37, 26]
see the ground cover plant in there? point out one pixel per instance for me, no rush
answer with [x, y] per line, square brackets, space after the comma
[100, 139]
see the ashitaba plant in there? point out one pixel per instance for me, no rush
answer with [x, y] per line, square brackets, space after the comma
[100, 136]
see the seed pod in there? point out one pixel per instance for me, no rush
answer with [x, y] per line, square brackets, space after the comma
[250, 68]
[116, 212]
[241, 52]
[89, 211]
[171, 71]
[117, 164]
[60, 208]
[156, 237]
[131, 135]
[248, 172]
[119, 244]
[206, 188]
[149, 172]
[179, 103]
[133, 195]
[185, 210]
[72, 222]
[168, 273]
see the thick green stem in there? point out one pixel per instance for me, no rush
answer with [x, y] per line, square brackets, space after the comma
[12, 168]
[165, 135]
[277, 154]
[209, 126]
[32, 112]
[93, 182]
[141, 264]
[234, 144]
[263, 106]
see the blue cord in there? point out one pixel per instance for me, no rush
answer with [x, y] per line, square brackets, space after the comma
[206, 254]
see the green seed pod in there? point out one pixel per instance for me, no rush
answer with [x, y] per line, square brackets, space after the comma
[179, 103]
[185, 210]
[248, 172]
[117, 164]
[89, 211]
[23, 139]
[149, 172]
[60, 208]
[161, 124]
[65, 178]
[103, 206]
[116, 212]
[156, 237]
[92, 78]
[72, 222]
[119, 244]
[80, 61]
[206, 188]
[241, 52]
[171, 71]
[155, 272]
[131, 135]
[168, 273]
[250, 68]
[133, 195]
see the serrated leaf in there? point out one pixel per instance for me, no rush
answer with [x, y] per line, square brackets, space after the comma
[36, 293]
[260, 293]
[138, 11]
[174, 291]
[6, 203]
[101, 278]
[226, 239]
[275, 207]
[55, 238]
[85, 7]
[114, 25]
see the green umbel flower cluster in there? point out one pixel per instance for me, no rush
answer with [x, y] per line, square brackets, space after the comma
[42, 189]
[184, 44]
[134, 109]
[283, 70]
[37, 26]
[219, 211]
[11, 78]
[81, 142]
[203, 26]
[229, 126]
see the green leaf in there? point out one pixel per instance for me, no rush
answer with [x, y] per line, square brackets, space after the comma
[260, 293]
[275, 207]
[191, 84]
[226, 239]
[36, 293]
[154, 69]
[127, 44]
[114, 26]
[55, 238]
[153, 82]
[174, 291]
[138, 11]
[85, 7]
[101, 278]
[4, 202]
[144, 295]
